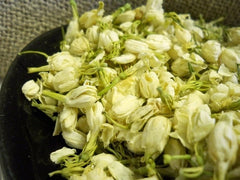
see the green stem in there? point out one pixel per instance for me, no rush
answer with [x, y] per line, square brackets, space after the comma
[54, 95]
[110, 86]
[115, 122]
[167, 158]
[74, 9]
[233, 106]
[38, 69]
[192, 172]
[33, 52]
[90, 148]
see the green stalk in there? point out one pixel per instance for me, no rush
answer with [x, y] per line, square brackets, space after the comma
[115, 122]
[33, 52]
[54, 95]
[90, 148]
[235, 105]
[167, 158]
[67, 172]
[166, 98]
[192, 172]
[38, 69]
[49, 110]
[74, 9]
[110, 86]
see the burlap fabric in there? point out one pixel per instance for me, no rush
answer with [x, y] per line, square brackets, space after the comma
[22, 20]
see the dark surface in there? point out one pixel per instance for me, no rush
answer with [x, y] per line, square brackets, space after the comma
[25, 133]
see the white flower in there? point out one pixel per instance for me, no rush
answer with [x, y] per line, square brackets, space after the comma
[103, 160]
[219, 96]
[106, 39]
[176, 51]
[65, 80]
[119, 171]
[31, 89]
[200, 124]
[230, 59]
[79, 46]
[183, 35]
[158, 42]
[180, 66]
[174, 147]
[127, 16]
[234, 35]
[68, 118]
[211, 51]
[82, 96]
[107, 134]
[135, 46]
[90, 18]
[148, 84]
[124, 58]
[61, 60]
[126, 27]
[92, 34]
[222, 148]
[57, 155]
[123, 108]
[155, 135]
[184, 117]
[74, 138]
[95, 117]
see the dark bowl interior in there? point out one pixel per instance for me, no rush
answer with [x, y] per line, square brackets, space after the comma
[26, 133]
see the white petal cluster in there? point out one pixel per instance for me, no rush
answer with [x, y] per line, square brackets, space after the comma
[142, 94]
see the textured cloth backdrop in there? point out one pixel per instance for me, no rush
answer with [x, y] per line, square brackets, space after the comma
[22, 20]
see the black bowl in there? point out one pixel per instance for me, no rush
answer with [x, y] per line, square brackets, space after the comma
[26, 139]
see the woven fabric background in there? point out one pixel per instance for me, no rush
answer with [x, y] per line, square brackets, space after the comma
[23, 20]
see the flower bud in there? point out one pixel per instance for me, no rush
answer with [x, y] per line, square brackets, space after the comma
[79, 46]
[155, 135]
[57, 155]
[211, 51]
[148, 84]
[222, 148]
[90, 18]
[234, 35]
[126, 27]
[158, 42]
[74, 138]
[174, 147]
[68, 118]
[47, 79]
[95, 117]
[126, 16]
[30, 89]
[123, 108]
[65, 80]
[119, 171]
[107, 134]
[124, 58]
[59, 61]
[103, 160]
[135, 46]
[176, 51]
[106, 39]
[82, 97]
[200, 124]
[92, 34]
[183, 35]
[230, 59]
